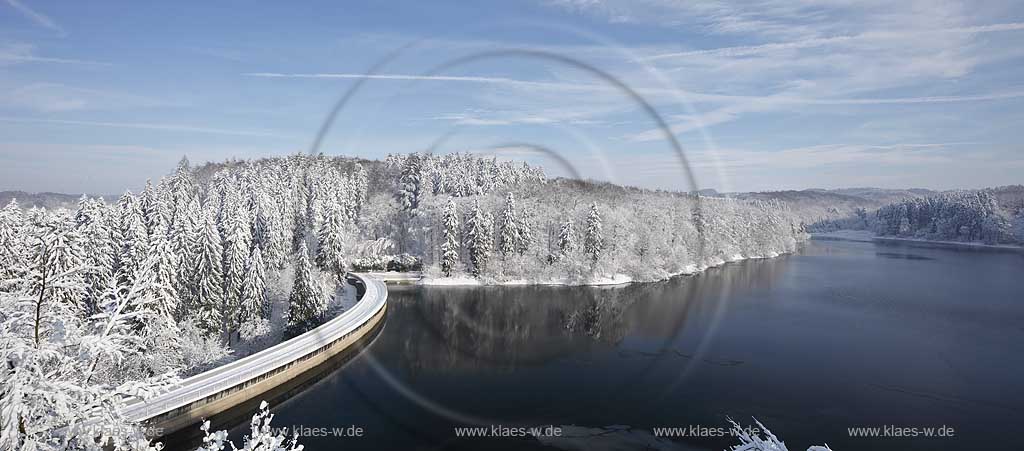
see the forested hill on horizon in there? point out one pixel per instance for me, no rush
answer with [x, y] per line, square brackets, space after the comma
[851, 197]
[820, 210]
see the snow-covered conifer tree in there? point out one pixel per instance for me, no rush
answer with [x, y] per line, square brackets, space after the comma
[450, 246]
[255, 304]
[262, 233]
[148, 207]
[479, 238]
[410, 183]
[302, 217]
[13, 245]
[208, 292]
[236, 252]
[186, 238]
[331, 253]
[97, 249]
[508, 224]
[307, 303]
[160, 274]
[133, 241]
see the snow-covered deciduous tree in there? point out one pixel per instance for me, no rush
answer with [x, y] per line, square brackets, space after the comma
[59, 262]
[487, 236]
[752, 440]
[54, 359]
[261, 438]
[331, 253]
[593, 241]
[566, 237]
[450, 243]
[702, 225]
[307, 303]
[360, 187]
[1018, 226]
[525, 230]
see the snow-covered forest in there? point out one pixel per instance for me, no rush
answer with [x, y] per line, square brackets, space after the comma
[502, 222]
[990, 216]
[956, 216]
[111, 300]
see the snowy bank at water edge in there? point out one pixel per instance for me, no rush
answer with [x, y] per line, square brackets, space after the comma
[465, 280]
[866, 236]
[613, 280]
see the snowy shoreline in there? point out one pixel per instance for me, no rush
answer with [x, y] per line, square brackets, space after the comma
[864, 236]
[616, 280]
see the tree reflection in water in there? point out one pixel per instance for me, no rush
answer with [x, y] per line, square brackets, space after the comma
[504, 328]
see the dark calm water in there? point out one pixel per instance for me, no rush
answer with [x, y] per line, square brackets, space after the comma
[842, 334]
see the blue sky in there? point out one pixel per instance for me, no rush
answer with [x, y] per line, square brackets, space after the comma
[99, 96]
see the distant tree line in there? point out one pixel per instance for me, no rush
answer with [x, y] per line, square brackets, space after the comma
[957, 216]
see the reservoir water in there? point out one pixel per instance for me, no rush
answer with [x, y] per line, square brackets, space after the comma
[839, 335]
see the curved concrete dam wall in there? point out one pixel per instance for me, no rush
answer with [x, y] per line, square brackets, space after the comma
[215, 391]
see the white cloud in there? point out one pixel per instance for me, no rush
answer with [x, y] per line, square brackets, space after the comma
[830, 165]
[25, 53]
[37, 17]
[407, 77]
[57, 97]
[688, 123]
[775, 47]
[146, 126]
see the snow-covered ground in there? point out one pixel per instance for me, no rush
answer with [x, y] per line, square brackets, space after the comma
[467, 280]
[346, 296]
[845, 235]
[612, 280]
[976, 245]
[397, 277]
[269, 333]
